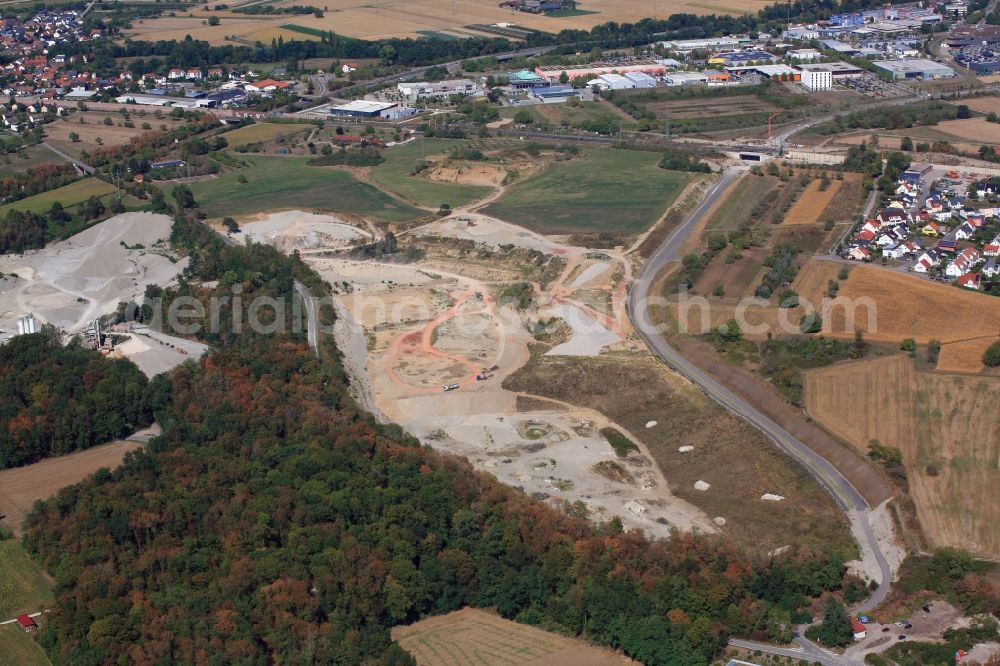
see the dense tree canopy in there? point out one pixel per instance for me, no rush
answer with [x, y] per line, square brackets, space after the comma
[56, 399]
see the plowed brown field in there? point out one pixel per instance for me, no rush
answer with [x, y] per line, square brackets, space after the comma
[812, 202]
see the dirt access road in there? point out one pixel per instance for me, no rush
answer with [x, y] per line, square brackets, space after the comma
[846, 495]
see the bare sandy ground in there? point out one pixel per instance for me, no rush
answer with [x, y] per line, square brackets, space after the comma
[490, 231]
[295, 229]
[70, 283]
[589, 336]
[156, 352]
[589, 274]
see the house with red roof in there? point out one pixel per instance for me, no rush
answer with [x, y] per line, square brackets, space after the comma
[860, 631]
[26, 623]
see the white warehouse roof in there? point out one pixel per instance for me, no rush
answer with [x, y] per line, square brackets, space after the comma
[364, 106]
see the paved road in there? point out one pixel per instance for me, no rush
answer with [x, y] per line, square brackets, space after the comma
[312, 324]
[845, 494]
[808, 651]
[86, 168]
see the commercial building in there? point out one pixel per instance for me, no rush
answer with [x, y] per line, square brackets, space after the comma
[611, 82]
[526, 79]
[817, 80]
[804, 55]
[437, 89]
[362, 108]
[742, 58]
[913, 69]
[838, 70]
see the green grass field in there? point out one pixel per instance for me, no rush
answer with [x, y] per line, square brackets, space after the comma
[33, 156]
[596, 115]
[23, 585]
[19, 649]
[260, 132]
[69, 195]
[607, 190]
[394, 175]
[282, 183]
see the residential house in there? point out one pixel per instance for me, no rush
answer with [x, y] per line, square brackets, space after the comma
[992, 249]
[931, 229]
[859, 253]
[927, 261]
[888, 217]
[969, 281]
[991, 269]
[963, 263]
[965, 231]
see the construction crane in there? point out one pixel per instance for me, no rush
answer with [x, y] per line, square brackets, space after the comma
[769, 119]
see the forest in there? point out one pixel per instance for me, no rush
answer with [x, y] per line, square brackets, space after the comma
[275, 521]
[55, 399]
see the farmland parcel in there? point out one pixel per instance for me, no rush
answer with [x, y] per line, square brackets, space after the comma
[587, 195]
[946, 427]
[277, 183]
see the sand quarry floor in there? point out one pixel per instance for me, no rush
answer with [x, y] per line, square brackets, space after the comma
[70, 283]
[298, 230]
[425, 328]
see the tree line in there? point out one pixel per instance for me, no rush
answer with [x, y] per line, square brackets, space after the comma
[55, 399]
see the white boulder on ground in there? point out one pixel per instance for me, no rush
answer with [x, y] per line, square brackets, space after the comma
[650, 424]
[635, 507]
[701, 485]
[719, 520]
[771, 497]
[685, 449]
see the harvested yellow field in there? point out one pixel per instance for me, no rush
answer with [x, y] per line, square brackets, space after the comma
[812, 202]
[261, 132]
[890, 306]
[989, 104]
[972, 129]
[947, 428]
[417, 18]
[471, 636]
[964, 356]
[813, 280]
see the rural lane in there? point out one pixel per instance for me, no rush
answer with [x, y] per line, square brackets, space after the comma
[845, 494]
[312, 324]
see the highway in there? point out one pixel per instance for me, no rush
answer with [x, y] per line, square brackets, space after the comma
[845, 494]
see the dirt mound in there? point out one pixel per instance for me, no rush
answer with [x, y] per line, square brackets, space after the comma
[609, 469]
[469, 174]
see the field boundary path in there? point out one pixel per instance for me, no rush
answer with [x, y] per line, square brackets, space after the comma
[843, 492]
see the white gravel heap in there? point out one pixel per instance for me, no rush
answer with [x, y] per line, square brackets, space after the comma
[701, 485]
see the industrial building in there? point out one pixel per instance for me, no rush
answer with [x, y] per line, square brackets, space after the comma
[362, 108]
[594, 69]
[772, 72]
[915, 68]
[685, 78]
[555, 94]
[817, 80]
[742, 58]
[708, 44]
[623, 81]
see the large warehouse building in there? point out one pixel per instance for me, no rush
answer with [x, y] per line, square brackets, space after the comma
[914, 68]
[364, 109]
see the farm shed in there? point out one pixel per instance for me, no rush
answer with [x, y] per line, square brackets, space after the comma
[26, 623]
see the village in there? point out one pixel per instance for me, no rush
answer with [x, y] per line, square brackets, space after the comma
[937, 225]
